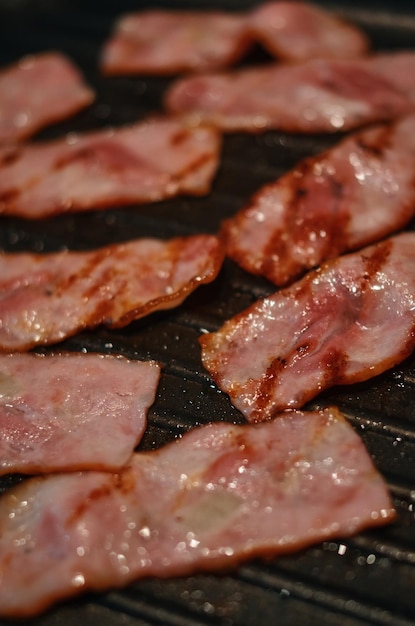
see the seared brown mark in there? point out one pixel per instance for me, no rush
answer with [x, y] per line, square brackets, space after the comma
[314, 221]
[123, 482]
[179, 137]
[376, 143]
[9, 157]
[8, 198]
[374, 263]
[107, 154]
[265, 401]
[194, 166]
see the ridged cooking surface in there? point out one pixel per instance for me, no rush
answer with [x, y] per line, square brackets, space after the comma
[368, 579]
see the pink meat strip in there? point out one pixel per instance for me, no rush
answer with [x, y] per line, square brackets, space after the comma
[146, 162]
[72, 411]
[218, 496]
[317, 96]
[354, 194]
[298, 31]
[396, 67]
[37, 91]
[168, 42]
[346, 322]
[45, 298]
[163, 42]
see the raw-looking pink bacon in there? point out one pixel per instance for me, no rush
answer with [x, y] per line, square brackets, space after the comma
[37, 91]
[298, 31]
[352, 195]
[349, 320]
[72, 411]
[396, 67]
[163, 41]
[216, 497]
[318, 96]
[45, 298]
[146, 162]
[169, 42]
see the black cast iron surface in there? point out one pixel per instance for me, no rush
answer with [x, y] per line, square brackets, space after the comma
[369, 579]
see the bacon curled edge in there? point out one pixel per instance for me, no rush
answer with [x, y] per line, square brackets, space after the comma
[45, 298]
[350, 196]
[347, 321]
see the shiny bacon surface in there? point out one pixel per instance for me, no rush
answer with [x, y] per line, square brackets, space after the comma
[146, 162]
[358, 192]
[348, 321]
[72, 411]
[363, 579]
[163, 42]
[298, 31]
[169, 42]
[39, 90]
[317, 96]
[219, 495]
[48, 297]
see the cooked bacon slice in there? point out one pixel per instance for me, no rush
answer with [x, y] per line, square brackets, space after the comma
[320, 95]
[298, 31]
[39, 90]
[168, 42]
[72, 411]
[45, 298]
[396, 67]
[344, 323]
[220, 495]
[356, 193]
[146, 162]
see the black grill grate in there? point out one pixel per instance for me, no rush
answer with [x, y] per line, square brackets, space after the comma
[368, 579]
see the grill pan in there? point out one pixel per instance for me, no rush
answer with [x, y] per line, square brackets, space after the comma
[368, 579]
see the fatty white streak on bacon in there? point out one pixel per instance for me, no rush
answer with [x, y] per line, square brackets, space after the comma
[346, 322]
[320, 95]
[356, 193]
[45, 298]
[169, 42]
[37, 91]
[298, 31]
[72, 412]
[146, 162]
[220, 495]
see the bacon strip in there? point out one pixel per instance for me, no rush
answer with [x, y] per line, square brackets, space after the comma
[310, 474]
[168, 42]
[298, 31]
[146, 162]
[37, 91]
[356, 193]
[45, 298]
[72, 411]
[346, 322]
[311, 97]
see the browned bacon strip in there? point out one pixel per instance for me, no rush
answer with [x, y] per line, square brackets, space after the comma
[37, 91]
[310, 97]
[220, 495]
[356, 193]
[147, 162]
[346, 322]
[298, 31]
[45, 298]
[168, 42]
[72, 411]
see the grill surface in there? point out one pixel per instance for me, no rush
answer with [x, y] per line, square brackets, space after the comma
[368, 579]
